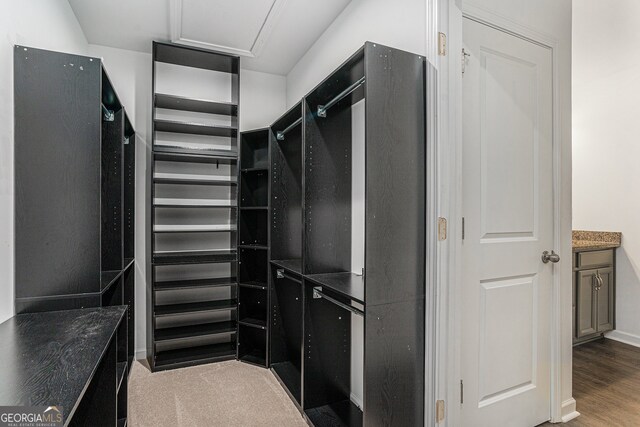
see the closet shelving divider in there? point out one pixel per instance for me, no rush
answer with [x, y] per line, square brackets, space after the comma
[193, 296]
[75, 154]
[253, 247]
[348, 244]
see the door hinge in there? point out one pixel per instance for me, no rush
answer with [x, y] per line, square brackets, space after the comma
[442, 228]
[442, 44]
[461, 392]
[464, 60]
[462, 228]
[439, 411]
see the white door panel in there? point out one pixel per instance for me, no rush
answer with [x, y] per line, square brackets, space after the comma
[508, 211]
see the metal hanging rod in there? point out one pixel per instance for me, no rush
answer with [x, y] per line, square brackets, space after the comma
[317, 293]
[280, 134]
[108, 114]
[322, 109]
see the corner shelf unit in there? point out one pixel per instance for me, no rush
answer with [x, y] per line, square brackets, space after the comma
[75, 154]
[253, 247]
[347, 247]
[193, 216]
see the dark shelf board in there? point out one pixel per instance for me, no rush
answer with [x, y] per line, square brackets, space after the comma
[293, 265]
[254, 208]
[194, 257]
[188, 56]
[195, 355]
[289, 376]
[185, 179]
[175, 102]
[128, 262]
[254, 246]
[346, 284]
[344, 413]
[255, 169]
[174, 126]
[211, 228]
[196, 283]
[254, 323]
[177, 154]
[192, 203]
[254, 285]
[195, 307]
[194, 331]
[121, 370]
[108, 278]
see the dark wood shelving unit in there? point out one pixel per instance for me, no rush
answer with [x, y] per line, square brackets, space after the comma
[253, 247]
[79, 161]
[192, 319]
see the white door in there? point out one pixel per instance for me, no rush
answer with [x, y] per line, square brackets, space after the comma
[508, 223]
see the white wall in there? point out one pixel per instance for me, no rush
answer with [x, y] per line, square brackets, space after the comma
[398, 24]
[606, 81]
[47, 24]
[262, 100]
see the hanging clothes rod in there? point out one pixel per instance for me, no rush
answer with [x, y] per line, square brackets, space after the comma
[322, 109]
[280, 134]
[108, 114]
[317, 293]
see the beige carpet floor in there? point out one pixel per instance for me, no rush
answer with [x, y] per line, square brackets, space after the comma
[218, 394]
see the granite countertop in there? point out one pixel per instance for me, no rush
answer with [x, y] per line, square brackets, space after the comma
[595, 240]
[49, 358]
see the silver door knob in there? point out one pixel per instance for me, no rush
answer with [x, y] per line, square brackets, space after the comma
[553, 257]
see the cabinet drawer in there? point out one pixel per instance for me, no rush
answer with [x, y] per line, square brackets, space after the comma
[595, 258]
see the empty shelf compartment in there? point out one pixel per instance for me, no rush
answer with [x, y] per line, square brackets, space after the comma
[192, 179]
[194, 283]
[193, 128]
[194, 257]
[194, 307]
[252, 345]
[175, 102]
[194, 203]
[193, 331]
[344, 413]
[346, 284]
[195, 228]
[224, 157]
[195, 355]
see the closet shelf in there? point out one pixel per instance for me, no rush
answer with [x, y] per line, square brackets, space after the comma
[195, 283]
[192, 179]
[194, 203]
[254, 323]
[347, 284]
[173, 154]
[293, 265]
[254, 208]
[194, 257]
[121, 369]
[255, 246]
[174, 102]
[174, 126]
[254, 285]
[255, 169]
[194, 331]
[195, 355]
[207, 228]
[195, 307]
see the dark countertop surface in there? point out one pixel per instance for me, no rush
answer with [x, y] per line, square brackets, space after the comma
[50, 358]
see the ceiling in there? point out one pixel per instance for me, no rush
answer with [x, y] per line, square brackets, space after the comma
[270, 35]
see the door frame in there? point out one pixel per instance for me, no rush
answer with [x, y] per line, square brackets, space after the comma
[448, 198]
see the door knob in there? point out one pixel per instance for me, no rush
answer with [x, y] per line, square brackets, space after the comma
[553, 257]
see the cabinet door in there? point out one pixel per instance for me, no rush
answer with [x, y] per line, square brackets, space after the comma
[605, 300]
[586, 323]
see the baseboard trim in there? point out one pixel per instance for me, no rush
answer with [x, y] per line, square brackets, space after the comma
[569, 410]
[624, 337]
[141, 354]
